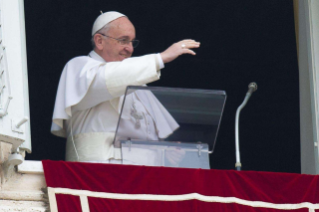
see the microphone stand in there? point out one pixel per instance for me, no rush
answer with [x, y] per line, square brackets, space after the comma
[252, 87]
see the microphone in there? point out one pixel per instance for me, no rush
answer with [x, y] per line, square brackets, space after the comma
[252, 87]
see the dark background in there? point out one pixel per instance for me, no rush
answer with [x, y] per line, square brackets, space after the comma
[241, 42]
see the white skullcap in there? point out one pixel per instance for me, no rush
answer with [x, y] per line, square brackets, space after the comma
[104, 19]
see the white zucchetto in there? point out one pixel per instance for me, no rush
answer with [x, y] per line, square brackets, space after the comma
[104, 19]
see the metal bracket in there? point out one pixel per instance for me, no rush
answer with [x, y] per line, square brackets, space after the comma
[16, 126]
[199, 147]
[3, 112]
[129, 143]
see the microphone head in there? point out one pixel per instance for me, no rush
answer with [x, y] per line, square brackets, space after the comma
[252, 86]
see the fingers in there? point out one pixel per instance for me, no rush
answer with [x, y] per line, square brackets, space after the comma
[188, 51]
[188, 44]
[187, 40]
[176, 155]
[172, 162]
[180, 152]
[179, 48]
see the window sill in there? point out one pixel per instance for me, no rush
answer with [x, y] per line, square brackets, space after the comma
[30, 167]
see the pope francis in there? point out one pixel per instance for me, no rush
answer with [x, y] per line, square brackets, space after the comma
[91, 88]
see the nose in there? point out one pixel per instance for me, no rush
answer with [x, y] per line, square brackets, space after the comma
[129, 47]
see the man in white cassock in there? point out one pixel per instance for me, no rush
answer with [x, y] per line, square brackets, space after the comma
[91, 89]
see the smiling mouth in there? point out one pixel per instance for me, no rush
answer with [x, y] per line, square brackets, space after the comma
[125, 56]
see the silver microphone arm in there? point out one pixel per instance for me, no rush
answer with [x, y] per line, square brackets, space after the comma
[251, 88]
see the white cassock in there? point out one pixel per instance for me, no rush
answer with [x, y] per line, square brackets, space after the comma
[89, 100]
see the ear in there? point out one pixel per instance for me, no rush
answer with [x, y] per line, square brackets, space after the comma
[98, 40]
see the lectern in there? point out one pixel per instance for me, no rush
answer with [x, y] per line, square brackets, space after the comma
[170, 127]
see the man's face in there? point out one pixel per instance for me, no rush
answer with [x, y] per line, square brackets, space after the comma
[112, 50]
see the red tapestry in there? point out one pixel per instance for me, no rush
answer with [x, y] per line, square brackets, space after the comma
[93, 187]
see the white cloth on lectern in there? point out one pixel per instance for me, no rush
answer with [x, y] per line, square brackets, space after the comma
[90, 94]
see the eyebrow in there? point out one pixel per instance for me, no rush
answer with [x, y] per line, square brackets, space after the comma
[125, 37]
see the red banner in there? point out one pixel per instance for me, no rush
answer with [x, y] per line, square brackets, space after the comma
[105, 187]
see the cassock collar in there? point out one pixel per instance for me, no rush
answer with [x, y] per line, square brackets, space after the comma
[95, 56]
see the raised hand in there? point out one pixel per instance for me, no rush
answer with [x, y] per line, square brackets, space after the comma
[175, 156]
[179, 48]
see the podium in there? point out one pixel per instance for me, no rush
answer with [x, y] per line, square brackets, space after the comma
[170, 127]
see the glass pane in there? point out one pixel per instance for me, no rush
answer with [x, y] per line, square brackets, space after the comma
[186, 115]
[169, 154]
[151, 114]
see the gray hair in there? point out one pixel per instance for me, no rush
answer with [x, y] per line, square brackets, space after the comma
[103, 30]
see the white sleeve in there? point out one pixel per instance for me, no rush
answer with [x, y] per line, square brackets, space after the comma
[112, 78]
[160, 61]
[96, 93]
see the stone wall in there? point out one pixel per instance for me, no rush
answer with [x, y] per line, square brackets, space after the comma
[23, 187]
